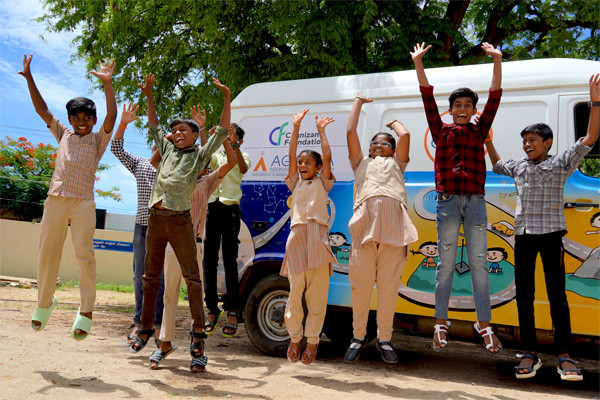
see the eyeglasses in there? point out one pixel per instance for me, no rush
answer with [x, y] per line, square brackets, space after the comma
[379, 143]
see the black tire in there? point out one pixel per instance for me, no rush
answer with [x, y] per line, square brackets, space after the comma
[264, 315]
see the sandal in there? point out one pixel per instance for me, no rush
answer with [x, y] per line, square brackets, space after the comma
[528, 371]
[437, 329]
[488, 332]
[42, 315]
[232, 327]
[139, 341]
[308, 357]
[577, 376]
[83, 324]
[130, 337]
[158, 356]
[293, 354]
[198, 358]
[209, 326]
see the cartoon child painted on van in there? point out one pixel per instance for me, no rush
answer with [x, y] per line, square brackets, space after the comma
[430, 251]
[494, 256]
[336, 241]
[595, 222]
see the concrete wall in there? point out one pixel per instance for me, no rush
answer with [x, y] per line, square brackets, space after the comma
[19, 252]
[119, 222]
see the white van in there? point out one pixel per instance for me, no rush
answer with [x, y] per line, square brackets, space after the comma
[554, 91]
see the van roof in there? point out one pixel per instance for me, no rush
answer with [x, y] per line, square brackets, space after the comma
[516, 75]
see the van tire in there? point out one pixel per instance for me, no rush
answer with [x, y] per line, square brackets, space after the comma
[264, 315]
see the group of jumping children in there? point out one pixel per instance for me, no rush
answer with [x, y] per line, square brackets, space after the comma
[175, 191]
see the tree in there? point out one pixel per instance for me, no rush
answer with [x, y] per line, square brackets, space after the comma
[244, 42]
[25, 172]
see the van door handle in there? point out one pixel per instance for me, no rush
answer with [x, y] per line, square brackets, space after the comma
[573, 204]
[260, 225]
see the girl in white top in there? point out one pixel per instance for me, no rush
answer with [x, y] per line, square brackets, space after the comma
[380, 227]
[308, 257]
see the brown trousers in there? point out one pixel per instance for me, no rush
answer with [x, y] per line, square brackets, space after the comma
[178, 231]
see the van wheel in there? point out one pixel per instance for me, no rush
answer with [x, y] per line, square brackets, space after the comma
[264, 315]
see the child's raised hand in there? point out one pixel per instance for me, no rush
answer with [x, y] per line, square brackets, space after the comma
[364, 99]
[26, 62]
[490, 50]
[401, 127]
[212, 131]
[198, 116]
[322, 122]
[128, 114]
[595, 87]
[105, 71]
[222, 87]
[147, 88]
[298, 117]
[419, 51]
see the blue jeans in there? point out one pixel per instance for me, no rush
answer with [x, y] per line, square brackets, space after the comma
[139, 253]
[470, 211]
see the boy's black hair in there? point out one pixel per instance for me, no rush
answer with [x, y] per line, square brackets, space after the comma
[339, 234]
[183, 120]
[463, 92]
[239, 131]
[389, 137]
[313, 154]
[423, 245]
[594, 217]
[81, 104]
[501, 249]
[540, 129]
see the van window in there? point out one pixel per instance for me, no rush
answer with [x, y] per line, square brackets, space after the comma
[591, 164]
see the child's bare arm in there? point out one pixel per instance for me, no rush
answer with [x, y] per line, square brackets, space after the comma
[417, 56]
[594, 122]
[200, 118]
[104, 73]
[293, 160]
[147, 90]
[403, 145]
[492, 153]
[325, 149]
[225, 168]
[36, 98]
[497, 57]
[127, 116]
[226, 114]
[351, 127]
[235, 145]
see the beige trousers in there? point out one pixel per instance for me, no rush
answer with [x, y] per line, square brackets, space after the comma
[383, 264]
[59, 212]
[316, 283]
[173, 277]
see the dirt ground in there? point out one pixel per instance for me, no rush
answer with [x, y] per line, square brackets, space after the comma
[51, 365]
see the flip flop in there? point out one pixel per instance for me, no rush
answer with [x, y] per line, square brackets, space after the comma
[563, 372]
[158, 356]
[42, 315]
[308, 357]
[437, 329]
[293, 355]
[82, 323]
[488, 332]
[528, 372]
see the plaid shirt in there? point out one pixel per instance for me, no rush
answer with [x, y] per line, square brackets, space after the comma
[144, 174]
[459, 154]
[204, 187]
[540, 186]
[76, 162]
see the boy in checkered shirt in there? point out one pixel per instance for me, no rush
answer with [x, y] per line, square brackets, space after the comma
[460, 184]
[70, 198]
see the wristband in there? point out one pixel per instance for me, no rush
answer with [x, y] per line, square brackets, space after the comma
[296, 124]
[235, 145]
[321, 131]
[201, 128]
[124, 127]
[593, 103]
[360, 98]
[488, 140]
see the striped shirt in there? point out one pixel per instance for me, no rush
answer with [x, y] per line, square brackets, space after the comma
[459, 155]
[540, 186]
[144, 174]
[205, 185]
[76, 162]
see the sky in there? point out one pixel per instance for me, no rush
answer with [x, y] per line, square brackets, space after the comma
[58, 80]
